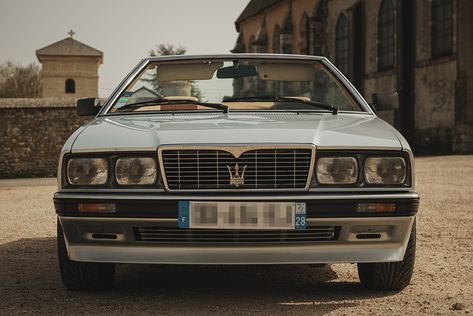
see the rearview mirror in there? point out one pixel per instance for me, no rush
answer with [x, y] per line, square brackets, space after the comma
[385, 101]
[88, 106]
[237, 71]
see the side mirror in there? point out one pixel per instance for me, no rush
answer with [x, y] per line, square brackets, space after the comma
[88, 106]
[385, 101]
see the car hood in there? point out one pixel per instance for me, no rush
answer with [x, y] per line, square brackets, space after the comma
[147, 132]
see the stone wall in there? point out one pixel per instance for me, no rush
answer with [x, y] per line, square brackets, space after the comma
[462, 139]
[32, 133]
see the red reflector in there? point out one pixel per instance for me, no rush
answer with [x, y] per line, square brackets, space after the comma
[376, 207]
[96, 208]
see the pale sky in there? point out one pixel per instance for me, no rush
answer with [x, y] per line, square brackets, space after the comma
[124, 31]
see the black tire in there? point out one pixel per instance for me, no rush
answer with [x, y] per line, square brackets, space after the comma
[390, 276]
[82, 276]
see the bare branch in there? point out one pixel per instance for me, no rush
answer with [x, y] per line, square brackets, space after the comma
[17, 81]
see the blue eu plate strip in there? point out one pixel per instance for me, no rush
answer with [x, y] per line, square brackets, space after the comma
[301, 216]
[183, 214]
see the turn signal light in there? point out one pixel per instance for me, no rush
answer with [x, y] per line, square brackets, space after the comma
[377, 207]
[96, 208]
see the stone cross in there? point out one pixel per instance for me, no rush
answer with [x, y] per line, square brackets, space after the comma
[71, 33]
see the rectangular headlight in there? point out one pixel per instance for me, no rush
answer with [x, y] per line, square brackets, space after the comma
[385, 170]
[135, 171]
[337, 170]
[87, 171]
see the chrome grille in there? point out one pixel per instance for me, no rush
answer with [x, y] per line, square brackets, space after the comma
[177, 235]
[211, 169]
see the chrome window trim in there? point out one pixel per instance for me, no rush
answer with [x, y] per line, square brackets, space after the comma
[121, 87]
[236, 150]
[349, 86]
[146, 61]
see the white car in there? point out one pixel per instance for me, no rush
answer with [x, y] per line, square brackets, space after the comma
[236, 159]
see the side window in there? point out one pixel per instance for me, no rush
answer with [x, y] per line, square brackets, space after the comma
[386, 32]
[342, 44]
[442, 27]
[328, 90]
[70, 86]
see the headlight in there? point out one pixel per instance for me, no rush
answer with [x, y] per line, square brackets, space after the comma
[337, 170]
[135, 171]
[87, 171]
[385, 170]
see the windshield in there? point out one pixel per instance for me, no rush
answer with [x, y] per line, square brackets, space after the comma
[241, 84]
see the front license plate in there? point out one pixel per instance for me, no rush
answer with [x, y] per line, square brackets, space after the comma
[241, 215]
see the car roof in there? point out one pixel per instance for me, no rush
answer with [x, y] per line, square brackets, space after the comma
[236, 56]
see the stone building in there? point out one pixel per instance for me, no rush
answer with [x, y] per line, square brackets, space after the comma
[70, 68]
[423, 49]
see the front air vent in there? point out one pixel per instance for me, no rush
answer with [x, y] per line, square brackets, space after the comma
[218, 169]
[166, 235]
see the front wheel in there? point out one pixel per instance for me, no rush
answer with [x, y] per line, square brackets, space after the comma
[82, 276]
[391, 276]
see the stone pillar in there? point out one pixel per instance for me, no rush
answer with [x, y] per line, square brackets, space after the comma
[318, 25]
[464, 95]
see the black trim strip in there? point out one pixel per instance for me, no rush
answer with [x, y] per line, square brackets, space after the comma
[168, 208]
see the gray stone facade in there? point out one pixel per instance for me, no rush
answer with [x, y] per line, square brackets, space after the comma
[435, 90]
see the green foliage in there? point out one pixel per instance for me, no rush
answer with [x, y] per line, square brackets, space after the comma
[18, 81]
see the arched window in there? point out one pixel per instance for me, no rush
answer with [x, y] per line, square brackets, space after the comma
[70, 86]
[386, 33]
[305, 35]
[342, 44]
[442, 27]
[276, 43]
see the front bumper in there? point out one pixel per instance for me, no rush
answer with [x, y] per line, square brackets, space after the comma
[88, 237]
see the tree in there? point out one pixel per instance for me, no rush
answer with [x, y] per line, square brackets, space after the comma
[166, 50]
[17, 81]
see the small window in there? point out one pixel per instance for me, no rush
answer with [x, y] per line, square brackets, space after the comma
[386, 34]
[442, 27]
[70, 86]
[342, 44]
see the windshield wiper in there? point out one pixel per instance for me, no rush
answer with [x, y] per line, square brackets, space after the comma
[321, 105]
[164, 101]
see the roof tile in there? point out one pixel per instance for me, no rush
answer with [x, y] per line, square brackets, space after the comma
[68, 47]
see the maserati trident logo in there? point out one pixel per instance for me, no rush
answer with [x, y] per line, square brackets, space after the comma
[237, 175]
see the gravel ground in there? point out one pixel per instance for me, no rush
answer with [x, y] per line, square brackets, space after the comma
[442, 281]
